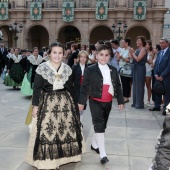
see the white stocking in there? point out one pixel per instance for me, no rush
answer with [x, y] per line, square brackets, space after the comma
[94, 144]
[100, 142]
[81, 116]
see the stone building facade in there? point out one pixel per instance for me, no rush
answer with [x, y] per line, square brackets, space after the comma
[166, 27]
[85, 28]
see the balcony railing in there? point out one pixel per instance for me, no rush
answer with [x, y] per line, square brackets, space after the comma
[47, 4]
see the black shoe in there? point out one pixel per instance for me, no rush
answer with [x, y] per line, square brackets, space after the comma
[132, 105]
[104, 160]
[97, 150]
[164, 113]
[126, 101]
[154, 109]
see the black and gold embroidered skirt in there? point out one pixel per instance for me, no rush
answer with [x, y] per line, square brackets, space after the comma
[56, 136]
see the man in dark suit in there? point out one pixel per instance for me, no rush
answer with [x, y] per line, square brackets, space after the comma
[3, 54]
[162, 73]
[73, 56]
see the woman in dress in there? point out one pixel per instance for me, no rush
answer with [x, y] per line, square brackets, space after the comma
[161, 160]
[32, 63]
[139, 72]
[149, 70]
[78, 74]
[56, 137]
[15, 70]
[123, 58]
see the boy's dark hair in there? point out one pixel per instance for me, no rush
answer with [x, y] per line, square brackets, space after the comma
[75, 46]
[27, 50]
[101, 47]
[108, 43]
[91, 48]
[100, 42]
[23, 51]
[55, 44]
[35, 48]
[114, 41]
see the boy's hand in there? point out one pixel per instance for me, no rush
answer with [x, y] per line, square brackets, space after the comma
[81, 107]
[121, 107]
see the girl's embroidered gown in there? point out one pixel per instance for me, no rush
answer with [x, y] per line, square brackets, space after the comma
[56, 137]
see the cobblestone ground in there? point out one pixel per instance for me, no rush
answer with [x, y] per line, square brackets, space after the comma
[130, 136]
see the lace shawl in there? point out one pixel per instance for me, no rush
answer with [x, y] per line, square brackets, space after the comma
[57, 79]
[15, 58]
[34, 61]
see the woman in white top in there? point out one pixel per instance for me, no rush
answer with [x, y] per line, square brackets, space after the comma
[123, 58]
[92, 54]
[149, 70]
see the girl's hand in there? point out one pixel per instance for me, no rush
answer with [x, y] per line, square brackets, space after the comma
[34, 111]
[81, 107]
[121, 107]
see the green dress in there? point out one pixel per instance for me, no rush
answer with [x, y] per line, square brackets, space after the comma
[16, 73]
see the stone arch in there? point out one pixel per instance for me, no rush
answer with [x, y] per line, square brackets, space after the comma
[69, 33]
[7, 36]
[100, 32]
[136, 31]
[38, 36]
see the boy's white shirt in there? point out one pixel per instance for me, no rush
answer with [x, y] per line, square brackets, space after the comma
[105, 70]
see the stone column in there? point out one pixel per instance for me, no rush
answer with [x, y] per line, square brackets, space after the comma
[52, 31]
[85, 31]
[157, 26]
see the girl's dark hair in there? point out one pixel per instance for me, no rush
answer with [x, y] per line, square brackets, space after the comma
[127, 40]
[55, 44]
[108, 43]
[142, 39]
[91, 48]
[101, 47]
[158, 47]
[150, 45]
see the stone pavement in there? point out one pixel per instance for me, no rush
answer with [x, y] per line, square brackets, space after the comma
[130, 136]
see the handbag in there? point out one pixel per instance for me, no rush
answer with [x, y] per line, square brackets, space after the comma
[159, 88]
[126, 70]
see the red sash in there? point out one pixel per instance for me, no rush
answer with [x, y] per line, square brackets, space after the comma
[106, 96]
[81, 79]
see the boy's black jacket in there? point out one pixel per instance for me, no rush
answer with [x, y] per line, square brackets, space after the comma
[93, 82]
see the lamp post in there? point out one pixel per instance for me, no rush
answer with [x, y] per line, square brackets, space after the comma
[119, 29]
[15, 28]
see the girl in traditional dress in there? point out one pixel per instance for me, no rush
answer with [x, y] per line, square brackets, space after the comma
[32, 63]
[78, 74]
[15, 70]
[56, 137]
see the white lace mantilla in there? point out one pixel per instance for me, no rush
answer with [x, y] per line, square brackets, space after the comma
[56, 78]
[35, 61]
[15, 58]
